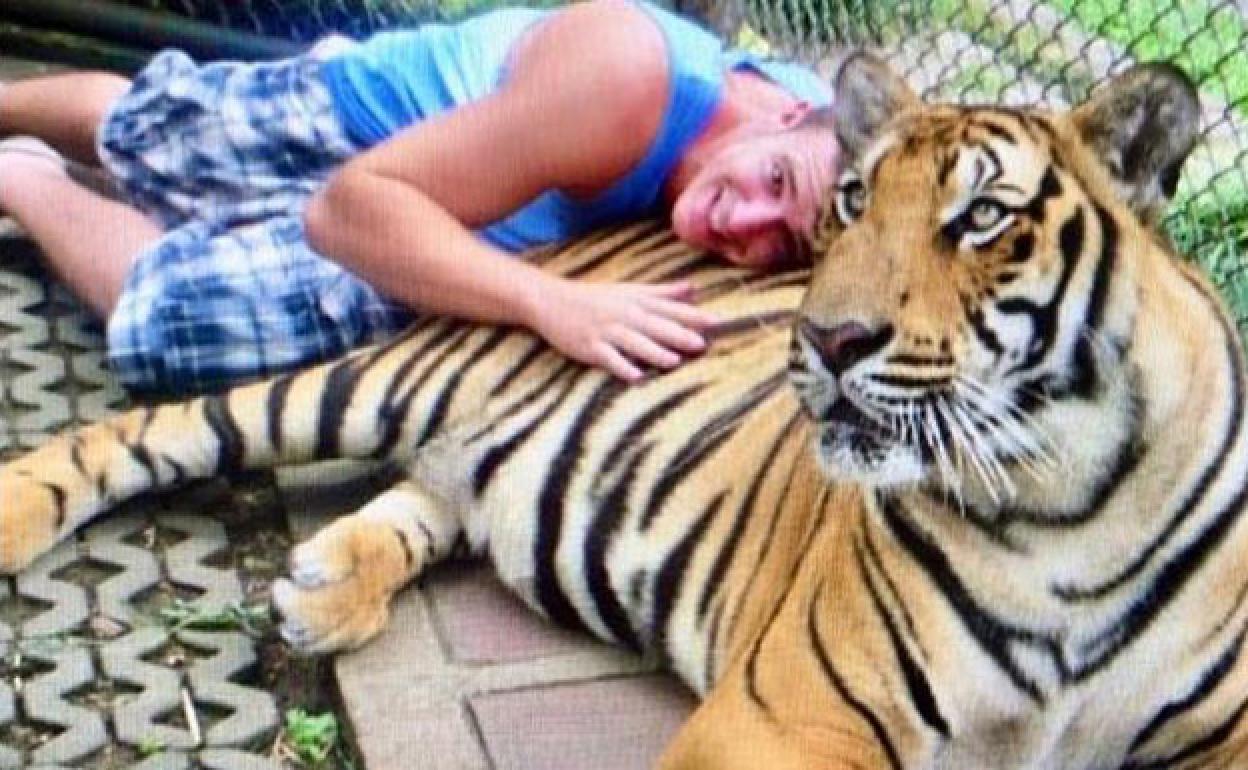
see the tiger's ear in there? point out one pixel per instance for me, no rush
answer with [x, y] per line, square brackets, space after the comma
[868, 95]
[1142, 124]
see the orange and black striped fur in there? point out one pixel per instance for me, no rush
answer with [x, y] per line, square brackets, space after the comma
[972, 500]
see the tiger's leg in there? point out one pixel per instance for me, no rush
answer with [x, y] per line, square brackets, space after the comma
[730, 731]
[342, 579]
[713, 740]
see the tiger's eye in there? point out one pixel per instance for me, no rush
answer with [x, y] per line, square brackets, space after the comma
[984, 215]
[854, 199]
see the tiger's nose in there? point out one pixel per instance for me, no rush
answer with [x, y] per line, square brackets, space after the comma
[841, 346]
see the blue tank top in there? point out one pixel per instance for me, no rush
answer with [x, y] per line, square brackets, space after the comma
[397, 78]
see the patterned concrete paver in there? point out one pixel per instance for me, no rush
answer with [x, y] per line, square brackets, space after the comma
[91, 675]
[468, 677]
[93, 669]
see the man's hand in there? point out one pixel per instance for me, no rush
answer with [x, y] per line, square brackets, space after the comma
[622, 326]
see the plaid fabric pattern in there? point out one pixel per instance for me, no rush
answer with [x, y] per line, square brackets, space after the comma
[225, 156]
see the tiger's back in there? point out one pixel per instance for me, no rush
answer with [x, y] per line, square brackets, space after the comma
[626, 508]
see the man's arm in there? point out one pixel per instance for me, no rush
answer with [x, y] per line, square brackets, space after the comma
[583, 101]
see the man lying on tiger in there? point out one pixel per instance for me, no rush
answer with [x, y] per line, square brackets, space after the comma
[968, 497]
[278, 214]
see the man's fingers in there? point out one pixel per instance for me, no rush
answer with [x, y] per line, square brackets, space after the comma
[671, 334]
[616, 363]
[678, 290]
[687, 315]
[639, 347]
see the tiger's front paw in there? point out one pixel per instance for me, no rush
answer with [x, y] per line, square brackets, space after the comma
[31, 517]
[341, 582]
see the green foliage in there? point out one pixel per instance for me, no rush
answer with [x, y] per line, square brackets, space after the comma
[182, 614]
[1016, 42]
[150, 746]
[1212, 228]
[1208, 41]
[312, 737]
[978, 83]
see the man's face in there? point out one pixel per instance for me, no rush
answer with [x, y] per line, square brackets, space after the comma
[757, 198]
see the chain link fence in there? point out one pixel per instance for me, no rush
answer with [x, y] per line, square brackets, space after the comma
[1053, 52]
[1002, 51]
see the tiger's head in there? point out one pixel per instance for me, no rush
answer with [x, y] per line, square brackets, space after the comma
[968, 324]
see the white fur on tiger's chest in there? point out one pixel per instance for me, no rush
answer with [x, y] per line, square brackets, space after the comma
[1081, 725]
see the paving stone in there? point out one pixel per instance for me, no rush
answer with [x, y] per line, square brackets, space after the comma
[98, 393]
[136, 719]
[6, 591]
[205, 537]
[441, 738]
[609, 725]
[43, 701]
[253, 713]
[141, 569]
[69, 601]
[165, 760]
[225, 759]
[36, 353]
[20, 294]
[402, 711]
[21, 330]
[481, 623]
[32, 371]
[9, 757]
[104, 398]
[40, 410]
[410, 677]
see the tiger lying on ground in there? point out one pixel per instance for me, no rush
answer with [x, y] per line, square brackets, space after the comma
[994, 522]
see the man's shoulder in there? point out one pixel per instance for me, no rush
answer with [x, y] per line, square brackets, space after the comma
[612, 49]
[623, 38]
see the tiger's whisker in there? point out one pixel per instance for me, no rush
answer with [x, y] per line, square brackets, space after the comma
[1024, 450]
[965, 447]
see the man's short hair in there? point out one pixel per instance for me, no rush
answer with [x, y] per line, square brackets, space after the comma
[821, 118]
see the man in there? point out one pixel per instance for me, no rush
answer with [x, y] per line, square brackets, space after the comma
[281, 213]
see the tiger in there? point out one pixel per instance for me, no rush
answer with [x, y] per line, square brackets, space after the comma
[967, 494]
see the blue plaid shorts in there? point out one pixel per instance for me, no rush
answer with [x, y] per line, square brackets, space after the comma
[225, 156]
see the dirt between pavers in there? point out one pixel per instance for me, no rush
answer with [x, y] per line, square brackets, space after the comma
[249, 507]
[259, 545]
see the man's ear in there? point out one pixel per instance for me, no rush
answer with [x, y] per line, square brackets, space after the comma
[868, 95]
[1141, 125]
[794, 115]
